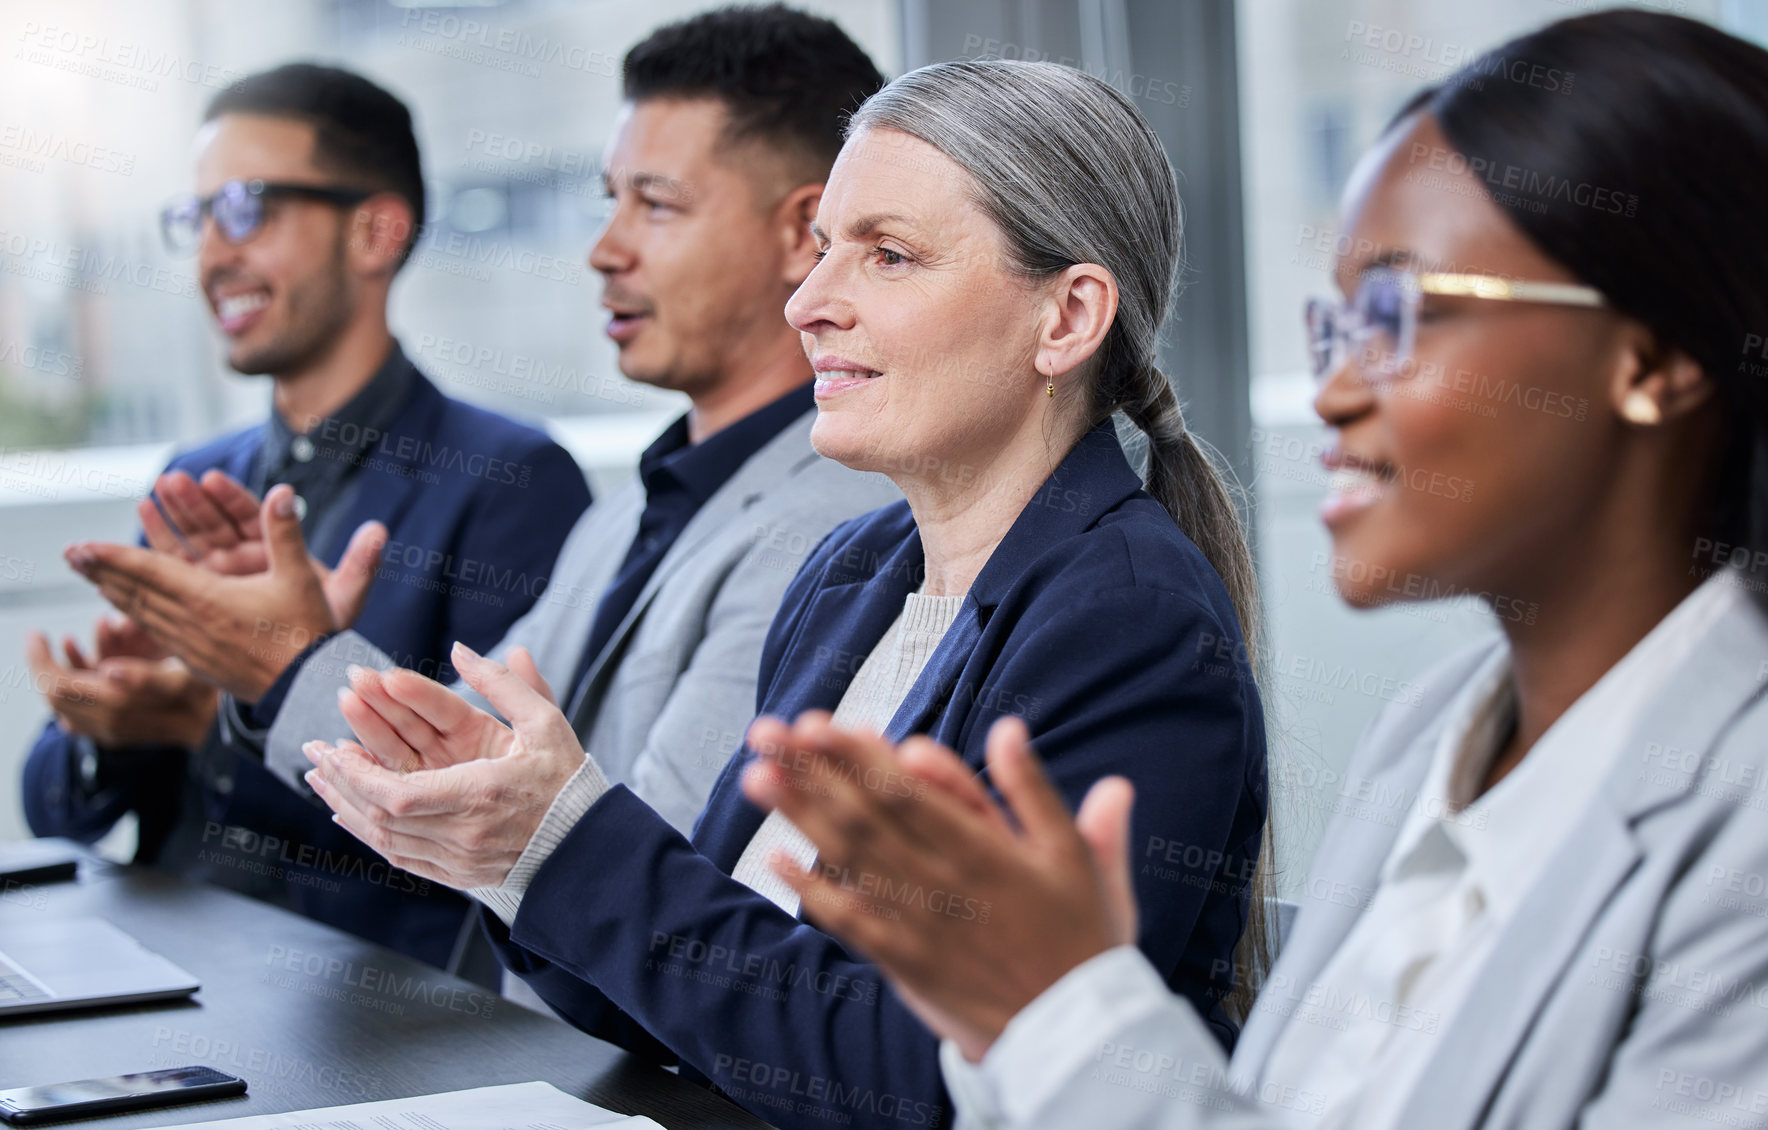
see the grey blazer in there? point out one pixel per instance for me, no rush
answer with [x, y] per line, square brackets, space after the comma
[1631, 989]
[671, 694]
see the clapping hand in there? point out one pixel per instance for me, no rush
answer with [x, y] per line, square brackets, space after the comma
[983, 880]
[437, 786]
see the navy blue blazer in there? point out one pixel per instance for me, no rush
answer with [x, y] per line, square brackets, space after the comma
[476, 507]
[1099, 623]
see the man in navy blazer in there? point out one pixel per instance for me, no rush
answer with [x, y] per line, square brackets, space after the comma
[312, 200]
[1097, 621]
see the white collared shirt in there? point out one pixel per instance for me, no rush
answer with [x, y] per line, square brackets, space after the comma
[1357, 1041]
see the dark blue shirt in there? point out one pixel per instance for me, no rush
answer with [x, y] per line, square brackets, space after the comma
[322, 457]
[679, 477]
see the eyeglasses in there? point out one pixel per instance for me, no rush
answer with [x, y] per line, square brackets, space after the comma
[1381, 320]
[238, 209]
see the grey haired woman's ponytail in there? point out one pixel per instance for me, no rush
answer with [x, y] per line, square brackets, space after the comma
[1184, 476]
[1039, 140]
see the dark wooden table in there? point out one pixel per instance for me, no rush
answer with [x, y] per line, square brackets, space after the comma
[310, 1017]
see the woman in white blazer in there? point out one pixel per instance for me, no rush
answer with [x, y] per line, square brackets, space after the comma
[1543, 901]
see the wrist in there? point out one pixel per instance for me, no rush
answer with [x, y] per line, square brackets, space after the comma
[268, 661]
[993, 1018]
[277, 644]
[195, 730]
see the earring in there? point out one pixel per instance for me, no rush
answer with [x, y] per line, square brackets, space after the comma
[1638, 407]
[1050, 390]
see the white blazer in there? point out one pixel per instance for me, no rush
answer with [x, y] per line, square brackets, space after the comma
[1630, 990]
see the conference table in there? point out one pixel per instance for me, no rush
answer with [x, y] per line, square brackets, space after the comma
[310, 1017]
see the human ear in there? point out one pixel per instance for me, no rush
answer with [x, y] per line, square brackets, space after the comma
[380, 228]
[1080, 306]
[793, 217]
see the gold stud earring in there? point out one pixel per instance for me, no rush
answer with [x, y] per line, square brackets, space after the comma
[1638, 407]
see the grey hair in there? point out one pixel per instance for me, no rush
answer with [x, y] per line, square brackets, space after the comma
[1071, 172]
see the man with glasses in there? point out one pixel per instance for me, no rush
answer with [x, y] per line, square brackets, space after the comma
[309, 199]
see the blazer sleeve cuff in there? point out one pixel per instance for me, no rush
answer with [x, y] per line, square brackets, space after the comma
[585, 787]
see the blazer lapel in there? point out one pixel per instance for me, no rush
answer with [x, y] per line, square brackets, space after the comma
[1486, 1034]
[237, 464]
[933, 687]
[1339, 888]
[841, 623]
[1688, 714]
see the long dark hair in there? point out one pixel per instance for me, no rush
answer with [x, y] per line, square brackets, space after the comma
[1629, 146]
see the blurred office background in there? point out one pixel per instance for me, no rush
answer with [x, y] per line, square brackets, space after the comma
[108, 359]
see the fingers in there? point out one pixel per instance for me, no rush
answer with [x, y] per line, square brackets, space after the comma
[857, 920]
[1019, 776]
[399, 736]
[516, 700]
[116, 635]
[204, 525]
[130, 676]
[127, 568]
[234, 500]
[381, 740]
[159, 614]
[846, 792]
[1104, 823]
[282, 530]
[408, 849]
[347, 772]
[522, 664]
[40, 658]
[119, 635]
[76, 658]
[942, 769]
[162, 679]
[71, 694]
[160, 534]
[242, 560]
[435, 705]
[764, 780]
[346, 588]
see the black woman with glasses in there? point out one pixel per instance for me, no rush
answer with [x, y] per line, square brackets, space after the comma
[1564, 923]
[309, 200]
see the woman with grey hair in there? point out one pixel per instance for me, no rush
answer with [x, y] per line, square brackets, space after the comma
[998, 244]
[1539, 902]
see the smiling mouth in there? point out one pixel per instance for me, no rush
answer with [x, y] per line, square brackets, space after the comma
[1353, 485]
[234, 310]
[847, 374]
[1357, 483]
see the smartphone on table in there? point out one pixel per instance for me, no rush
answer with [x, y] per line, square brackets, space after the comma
[83, 1098]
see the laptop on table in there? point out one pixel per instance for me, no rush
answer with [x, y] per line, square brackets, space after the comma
[80, 963]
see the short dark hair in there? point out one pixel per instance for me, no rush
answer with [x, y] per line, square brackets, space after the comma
[361, 132]
[1670, 115]
[788, 78]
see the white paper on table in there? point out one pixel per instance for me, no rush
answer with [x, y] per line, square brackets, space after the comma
[513, 1106]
